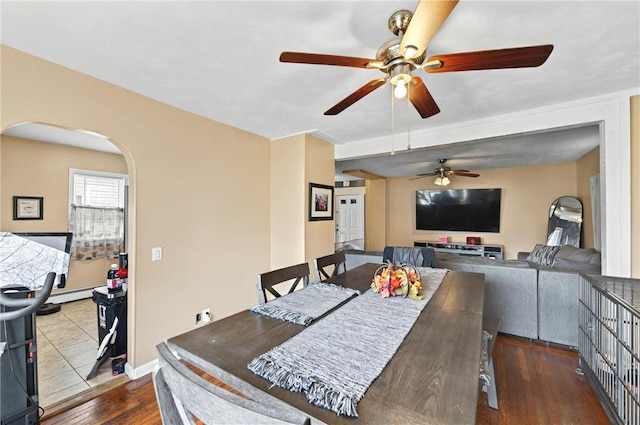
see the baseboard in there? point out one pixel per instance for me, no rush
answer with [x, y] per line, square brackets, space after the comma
[141, 371]
[68, 296]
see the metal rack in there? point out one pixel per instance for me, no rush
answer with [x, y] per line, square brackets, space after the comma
[609, 343]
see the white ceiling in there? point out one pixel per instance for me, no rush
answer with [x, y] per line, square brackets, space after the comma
[219, 59]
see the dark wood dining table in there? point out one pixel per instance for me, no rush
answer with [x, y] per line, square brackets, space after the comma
[431, 379]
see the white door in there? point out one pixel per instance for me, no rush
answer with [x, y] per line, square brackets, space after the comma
[350, 221]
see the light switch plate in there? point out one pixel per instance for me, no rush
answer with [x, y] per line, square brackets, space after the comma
[156, 253]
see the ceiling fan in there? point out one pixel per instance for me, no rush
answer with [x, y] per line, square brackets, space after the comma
[398, 57]
[443, 173]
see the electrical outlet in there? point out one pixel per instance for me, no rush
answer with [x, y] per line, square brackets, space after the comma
[206, 315]
[156, 253]
[198, 318]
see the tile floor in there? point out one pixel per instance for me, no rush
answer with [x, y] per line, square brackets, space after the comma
[67, 346]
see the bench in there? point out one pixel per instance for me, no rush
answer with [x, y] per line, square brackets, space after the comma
[490, 327]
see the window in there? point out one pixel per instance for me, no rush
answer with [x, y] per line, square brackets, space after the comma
[96, 217]
[98, 190]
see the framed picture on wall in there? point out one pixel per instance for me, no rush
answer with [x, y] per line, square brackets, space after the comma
[320, 202]
[27, 208]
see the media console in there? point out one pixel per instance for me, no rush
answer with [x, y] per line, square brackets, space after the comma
[488, 251]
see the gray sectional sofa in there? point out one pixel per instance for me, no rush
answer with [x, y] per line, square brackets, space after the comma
[531, 300]
[511, 292]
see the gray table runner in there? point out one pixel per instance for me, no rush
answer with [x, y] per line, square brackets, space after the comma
[305, 305]
[335, 361]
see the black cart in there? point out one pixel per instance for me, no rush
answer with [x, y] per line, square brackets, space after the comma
[112, 337]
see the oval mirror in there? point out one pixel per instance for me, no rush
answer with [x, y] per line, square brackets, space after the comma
[565, 222]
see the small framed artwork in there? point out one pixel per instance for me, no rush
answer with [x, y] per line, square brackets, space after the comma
[27, 208]
[320, 202]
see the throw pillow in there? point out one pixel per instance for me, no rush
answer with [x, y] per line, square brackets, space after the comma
[543, 254]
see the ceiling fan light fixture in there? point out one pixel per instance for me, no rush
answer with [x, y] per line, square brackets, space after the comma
[400, 77]
[442, 181]
[401, 90]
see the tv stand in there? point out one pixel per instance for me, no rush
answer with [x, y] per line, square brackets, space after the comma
[487, 251]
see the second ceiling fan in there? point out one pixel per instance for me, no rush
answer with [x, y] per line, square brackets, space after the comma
[398, 57]
[444, 171]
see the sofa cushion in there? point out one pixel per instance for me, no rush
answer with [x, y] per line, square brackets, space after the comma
[543, 254]
[576, 266]
[587, 256]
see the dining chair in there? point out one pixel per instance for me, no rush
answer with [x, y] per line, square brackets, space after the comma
[266, 281]
[337, 260]
[416, 256]
[183, 395]
[490, 326]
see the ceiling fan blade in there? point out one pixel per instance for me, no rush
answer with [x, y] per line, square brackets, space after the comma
[416, 178]
[456, 173]
[460, 171]
[422, 99]
[425, 23]
[320, 59]
[518, 57]
[355, 96]
[427, 174]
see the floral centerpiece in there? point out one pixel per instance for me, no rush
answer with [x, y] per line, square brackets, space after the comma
[397, 280]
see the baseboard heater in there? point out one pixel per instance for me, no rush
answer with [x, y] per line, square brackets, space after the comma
[68, 296]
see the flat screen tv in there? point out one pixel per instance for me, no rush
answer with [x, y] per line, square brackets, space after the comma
[464, 210]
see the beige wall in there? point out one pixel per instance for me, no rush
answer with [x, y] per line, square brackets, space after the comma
[31, 168]
[351, 190]
[287, 202]
[295, 162]
[320, 169]
[635, 187]
[587, 166]
[199, 189]
[527, 193]
[376, 215]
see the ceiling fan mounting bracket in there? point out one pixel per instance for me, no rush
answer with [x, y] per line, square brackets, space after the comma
[399, 21]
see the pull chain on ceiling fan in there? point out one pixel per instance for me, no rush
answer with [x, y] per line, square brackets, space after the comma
[398, 57]
[394, 99]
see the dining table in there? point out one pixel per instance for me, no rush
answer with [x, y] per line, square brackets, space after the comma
[431, 379]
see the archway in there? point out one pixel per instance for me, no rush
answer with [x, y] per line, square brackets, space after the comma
[47, 152]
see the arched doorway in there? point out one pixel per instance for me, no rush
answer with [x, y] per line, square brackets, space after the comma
[67, 342]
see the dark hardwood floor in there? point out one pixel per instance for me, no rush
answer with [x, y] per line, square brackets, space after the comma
[537, 385]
